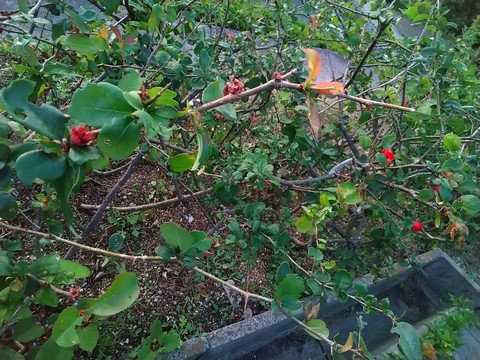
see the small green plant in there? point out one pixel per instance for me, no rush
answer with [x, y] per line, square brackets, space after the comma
[445, 335]
[158, 342]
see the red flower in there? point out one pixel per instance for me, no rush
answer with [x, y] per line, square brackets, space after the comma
[388, 153]
[234, 87]
[417, 226]
[437, 189]
[81, 136]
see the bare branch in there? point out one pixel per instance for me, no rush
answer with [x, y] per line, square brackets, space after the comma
[331, 174]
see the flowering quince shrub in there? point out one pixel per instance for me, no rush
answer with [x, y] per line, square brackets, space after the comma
[348, 173]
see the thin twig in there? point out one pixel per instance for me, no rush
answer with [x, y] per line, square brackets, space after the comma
[246, 294]
[331, 174]
[158, 205]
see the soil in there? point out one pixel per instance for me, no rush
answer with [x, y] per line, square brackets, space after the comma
[182, 299]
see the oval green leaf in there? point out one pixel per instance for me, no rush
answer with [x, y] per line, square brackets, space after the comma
[120, 295]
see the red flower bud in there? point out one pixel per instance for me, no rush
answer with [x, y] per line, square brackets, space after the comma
[277, 75]
[437, 189]
[81, 136]
[417, 226]
[234, 87]
[389, 155]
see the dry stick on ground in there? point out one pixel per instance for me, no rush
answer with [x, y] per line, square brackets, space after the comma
[158, 205]
[103, 206]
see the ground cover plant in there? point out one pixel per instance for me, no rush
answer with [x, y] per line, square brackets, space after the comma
[152, 150]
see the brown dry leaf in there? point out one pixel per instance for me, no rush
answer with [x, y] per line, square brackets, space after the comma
[313, 312]
[428, 351]
[328, 88]
[348, 344]
[314, 63]
[454, 227]
[103, 33]
[313, 115]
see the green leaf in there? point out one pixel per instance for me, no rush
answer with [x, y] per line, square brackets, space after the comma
[289, 291]
[343, 280]
[80, 155]
[88, 337]
[8, 206]
[111, 6]
[282, 271]
[205, 61]
[119, 138]
[176, 236]
[119, 296]
[63, 331]
[254, 210]
[27, 330]
[27, 53]
[361, 289]
[319, 327]
[99, 104]
[81, 43]
[45, 120]
[315, 287]
[426, 194]
[469, 203]
[170, 341]
[5, 176]
[7, 353]
[429, 51]
[156, 17]
[134, 100]
[156, 329]
[73, 269]
[37, 164]
[203, 152]
[46, 296]
[425, 108]
[51, 351]
[131, 82]
[452, 165]
[214, 91]
[115, 241]
[315, 253]
[304, 224]
[452, 142]
[45, 265]
[65, 186]
[165, 252]
[77, 20]
[409, 344]
[182, 162]
[54, 68]
[365, 141]
[388, 140]
[5, 266]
